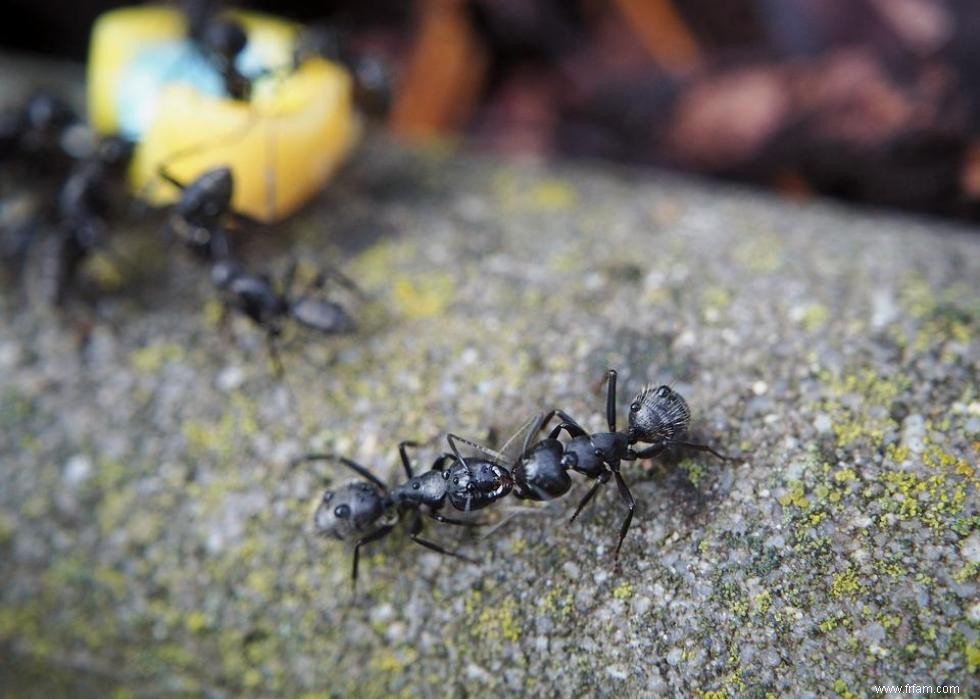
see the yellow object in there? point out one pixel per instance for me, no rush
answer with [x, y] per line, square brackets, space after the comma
[282, 145]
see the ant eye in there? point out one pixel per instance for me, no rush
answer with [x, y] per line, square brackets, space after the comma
[445, 475]
[416, 485]
[663, 391]
[456, 481]
[635, 406]
[600, 453]
[342, 511]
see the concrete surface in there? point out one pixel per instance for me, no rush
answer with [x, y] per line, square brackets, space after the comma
[154, 542]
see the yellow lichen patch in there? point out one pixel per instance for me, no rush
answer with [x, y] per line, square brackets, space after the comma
[933, 500]
[917, 297]
[196, 622]
[846, 584]
[870, 421]
[425, 297]
[499, 621]
[973, 657]
[623, 591]
[814, 317]
[150, 359]
[761, 254]
[795, 496]
[553, 195]
[841, 687]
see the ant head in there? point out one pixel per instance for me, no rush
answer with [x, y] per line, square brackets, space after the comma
[47, 113]
[89, 234]
[225, 37]
[658, 415]
[115, 151]
[223, 273]
[208, 197]
[349, 511]
[320, 39]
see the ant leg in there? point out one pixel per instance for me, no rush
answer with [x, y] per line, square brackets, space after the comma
[459, 522]
[624, 492]
[611, 400]
[705, 447]
[352, 465]
[331, 272]
[648, 453]
[287, 281]
[568, 424]
[452, 439]
[165, 175]
[536, 426]
[277, 365]
[402, 446]
[416, 529]
[374, 536]
[591, 494]
[440, 463]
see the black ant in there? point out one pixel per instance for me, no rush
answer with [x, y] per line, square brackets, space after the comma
[267, 304]
[84, 202]
[221, 41]
[45, 133]
[659, 417]
[367, 510]
[371, 73]
[202, 216]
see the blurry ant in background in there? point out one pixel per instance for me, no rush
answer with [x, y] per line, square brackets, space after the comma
[65, 211]
[269, 303]
[371, 73]
[221, 41]
[83, 206]
[45, 134]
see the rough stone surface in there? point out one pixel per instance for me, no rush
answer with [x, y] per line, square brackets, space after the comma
[154, 540]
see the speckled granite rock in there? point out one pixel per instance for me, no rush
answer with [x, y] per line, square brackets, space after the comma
[154, 541]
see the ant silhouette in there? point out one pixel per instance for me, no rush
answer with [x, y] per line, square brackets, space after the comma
[367, 510]
[268, 303]
[659, 417]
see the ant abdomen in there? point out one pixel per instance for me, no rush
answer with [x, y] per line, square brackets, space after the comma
[350, 511]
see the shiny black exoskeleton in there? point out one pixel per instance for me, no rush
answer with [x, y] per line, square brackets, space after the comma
[221, 40]
[659, 417]
[371, 73]
[365, 511]
[45, 133]
[84, 203]
[72, 226]
[202, 216]
[268, 305]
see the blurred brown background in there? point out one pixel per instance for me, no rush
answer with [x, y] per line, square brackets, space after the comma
[874, 101]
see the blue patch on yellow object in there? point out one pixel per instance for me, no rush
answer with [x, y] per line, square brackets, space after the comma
[162, 64]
